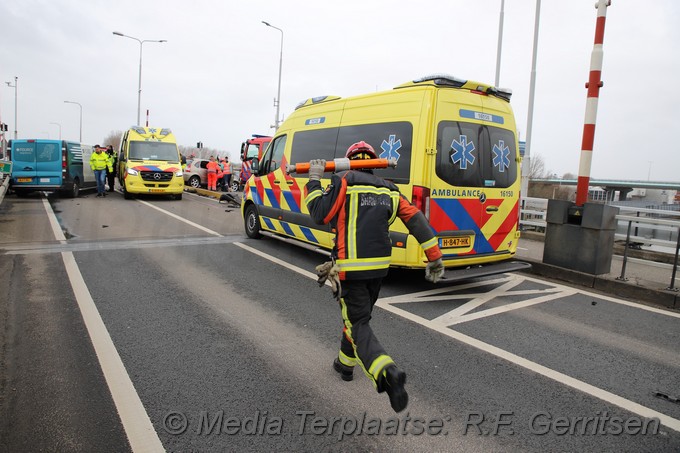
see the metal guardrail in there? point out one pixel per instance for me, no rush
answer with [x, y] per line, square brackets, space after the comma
[658, 221]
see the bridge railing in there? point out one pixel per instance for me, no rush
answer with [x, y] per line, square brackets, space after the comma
[636, 227]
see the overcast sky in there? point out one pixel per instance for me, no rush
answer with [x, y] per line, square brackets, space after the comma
[216, 78]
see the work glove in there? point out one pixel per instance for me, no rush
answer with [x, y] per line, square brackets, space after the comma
[316, 169]
[434, 270]
[329, 271]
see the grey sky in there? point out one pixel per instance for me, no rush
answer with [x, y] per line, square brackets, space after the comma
[215, 79]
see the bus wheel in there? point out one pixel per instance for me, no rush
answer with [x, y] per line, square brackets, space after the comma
[252, 223]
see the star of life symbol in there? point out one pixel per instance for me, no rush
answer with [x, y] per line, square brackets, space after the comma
[500, 156]
[390, 148]
[463, 152]
[152, 130]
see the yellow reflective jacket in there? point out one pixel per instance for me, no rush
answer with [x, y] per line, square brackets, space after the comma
[100, 161]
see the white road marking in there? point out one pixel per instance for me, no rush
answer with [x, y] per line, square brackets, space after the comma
[138, 427]
[175, 216]
[459, 315]
[569, 381]
[658, 311]
[509, 307]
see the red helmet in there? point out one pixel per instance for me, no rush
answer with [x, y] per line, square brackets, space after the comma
[361, 150]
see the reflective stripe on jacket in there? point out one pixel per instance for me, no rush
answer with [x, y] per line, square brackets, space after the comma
[361, 207]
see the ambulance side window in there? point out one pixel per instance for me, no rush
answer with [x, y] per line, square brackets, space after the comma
[273, 157]
[317, 144]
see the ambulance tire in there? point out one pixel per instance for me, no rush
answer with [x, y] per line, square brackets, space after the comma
[252, 223]
[127, 195]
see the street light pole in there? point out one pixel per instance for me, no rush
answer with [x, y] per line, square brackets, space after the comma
[278, 94]
[9, 84]
[81, 118]
[59, 129]
[139, 87]
[500, 44]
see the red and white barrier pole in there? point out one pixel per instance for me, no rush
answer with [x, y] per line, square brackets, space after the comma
[593, 86]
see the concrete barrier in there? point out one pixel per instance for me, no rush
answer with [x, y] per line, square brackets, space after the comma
[4, 187]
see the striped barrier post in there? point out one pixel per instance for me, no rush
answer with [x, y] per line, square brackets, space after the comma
[593, 86]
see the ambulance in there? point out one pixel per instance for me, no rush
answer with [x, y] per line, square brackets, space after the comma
[458, 161]
[149, 163]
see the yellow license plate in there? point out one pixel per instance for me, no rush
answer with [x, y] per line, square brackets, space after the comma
[457, 242]
[156, 190]
[24, 179]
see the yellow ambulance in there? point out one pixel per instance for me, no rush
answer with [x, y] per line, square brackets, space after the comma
[149, 163]
[458, 161]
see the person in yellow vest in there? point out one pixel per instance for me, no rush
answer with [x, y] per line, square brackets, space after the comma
[99, 163]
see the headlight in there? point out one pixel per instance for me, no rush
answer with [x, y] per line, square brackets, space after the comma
[132, 171]
[178, 173]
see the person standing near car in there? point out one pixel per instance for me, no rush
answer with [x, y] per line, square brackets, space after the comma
[226, 178]
[212, 168]
[111, 172]
[99, 163]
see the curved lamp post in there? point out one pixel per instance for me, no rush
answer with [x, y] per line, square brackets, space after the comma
[9, 84]
[278, 94]
[81, 118]
[139, 89]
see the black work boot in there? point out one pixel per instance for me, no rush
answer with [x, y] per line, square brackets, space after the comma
[393, 381]
[346, 372]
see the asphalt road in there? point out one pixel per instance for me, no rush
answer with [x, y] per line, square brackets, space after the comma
[155, 324]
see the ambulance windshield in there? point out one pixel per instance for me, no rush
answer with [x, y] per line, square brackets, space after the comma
[153, 151]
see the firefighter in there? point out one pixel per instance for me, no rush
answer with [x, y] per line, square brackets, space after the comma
[360, 207]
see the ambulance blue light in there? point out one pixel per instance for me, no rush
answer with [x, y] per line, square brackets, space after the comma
[442, 79]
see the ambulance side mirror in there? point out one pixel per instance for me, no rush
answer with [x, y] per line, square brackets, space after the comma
[255, 166]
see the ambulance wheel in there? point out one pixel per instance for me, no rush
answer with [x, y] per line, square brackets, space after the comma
[127, 195]
[252, 223]
[178, 196]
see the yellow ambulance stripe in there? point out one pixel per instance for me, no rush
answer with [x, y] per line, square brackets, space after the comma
[496, 220]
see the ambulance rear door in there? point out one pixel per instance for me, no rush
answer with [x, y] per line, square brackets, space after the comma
[473, 203]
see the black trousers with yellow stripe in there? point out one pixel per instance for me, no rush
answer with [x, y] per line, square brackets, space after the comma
[359, 344]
